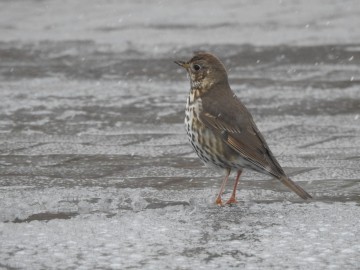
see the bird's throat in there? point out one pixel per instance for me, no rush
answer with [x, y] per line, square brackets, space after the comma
[200, 87]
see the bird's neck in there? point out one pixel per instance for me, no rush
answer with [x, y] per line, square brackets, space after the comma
[205, 87]
[197, 91]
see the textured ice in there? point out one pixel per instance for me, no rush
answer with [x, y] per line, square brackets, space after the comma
[159, 26]
[122, 229]
[95, 168]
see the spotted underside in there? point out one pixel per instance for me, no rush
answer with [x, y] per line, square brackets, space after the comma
[208, 147]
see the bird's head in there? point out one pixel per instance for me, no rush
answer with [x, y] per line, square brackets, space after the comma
[205, 70]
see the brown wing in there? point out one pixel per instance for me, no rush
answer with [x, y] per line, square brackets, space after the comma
[233, 122]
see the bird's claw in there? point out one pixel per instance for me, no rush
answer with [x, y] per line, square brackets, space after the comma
[232, 200]
[219, 201]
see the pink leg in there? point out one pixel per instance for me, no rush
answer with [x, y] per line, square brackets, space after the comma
[233, 194]
[223, 184]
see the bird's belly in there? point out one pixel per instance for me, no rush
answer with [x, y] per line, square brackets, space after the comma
[208, 146]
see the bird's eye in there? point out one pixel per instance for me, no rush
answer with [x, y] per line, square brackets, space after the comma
[196, 67]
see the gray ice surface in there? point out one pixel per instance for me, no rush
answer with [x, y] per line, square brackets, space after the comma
[95, 168]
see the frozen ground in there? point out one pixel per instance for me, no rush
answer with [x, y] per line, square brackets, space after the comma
[95, 167]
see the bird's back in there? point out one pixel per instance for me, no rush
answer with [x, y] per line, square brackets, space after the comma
[231, 121]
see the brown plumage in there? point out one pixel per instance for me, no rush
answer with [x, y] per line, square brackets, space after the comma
[221, 129]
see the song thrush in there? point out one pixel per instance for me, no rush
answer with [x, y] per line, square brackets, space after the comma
[221, 129]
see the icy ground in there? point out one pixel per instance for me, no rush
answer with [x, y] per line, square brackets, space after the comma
[95, 168]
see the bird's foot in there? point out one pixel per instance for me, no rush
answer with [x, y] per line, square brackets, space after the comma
[219, 201]
[232, 200]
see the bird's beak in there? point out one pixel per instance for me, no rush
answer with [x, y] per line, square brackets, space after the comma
[182, 64]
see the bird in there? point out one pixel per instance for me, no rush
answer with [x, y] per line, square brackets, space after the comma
[222, 131]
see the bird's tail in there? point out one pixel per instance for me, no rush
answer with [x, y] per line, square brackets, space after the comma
[295, 187]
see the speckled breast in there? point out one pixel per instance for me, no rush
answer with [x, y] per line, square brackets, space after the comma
[209, 148]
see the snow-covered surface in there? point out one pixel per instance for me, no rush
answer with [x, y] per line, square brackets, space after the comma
[159, 25]
[95, 167]
[188, 234]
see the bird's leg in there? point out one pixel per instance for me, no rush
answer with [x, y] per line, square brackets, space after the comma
[233, 194]
[223, 184]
